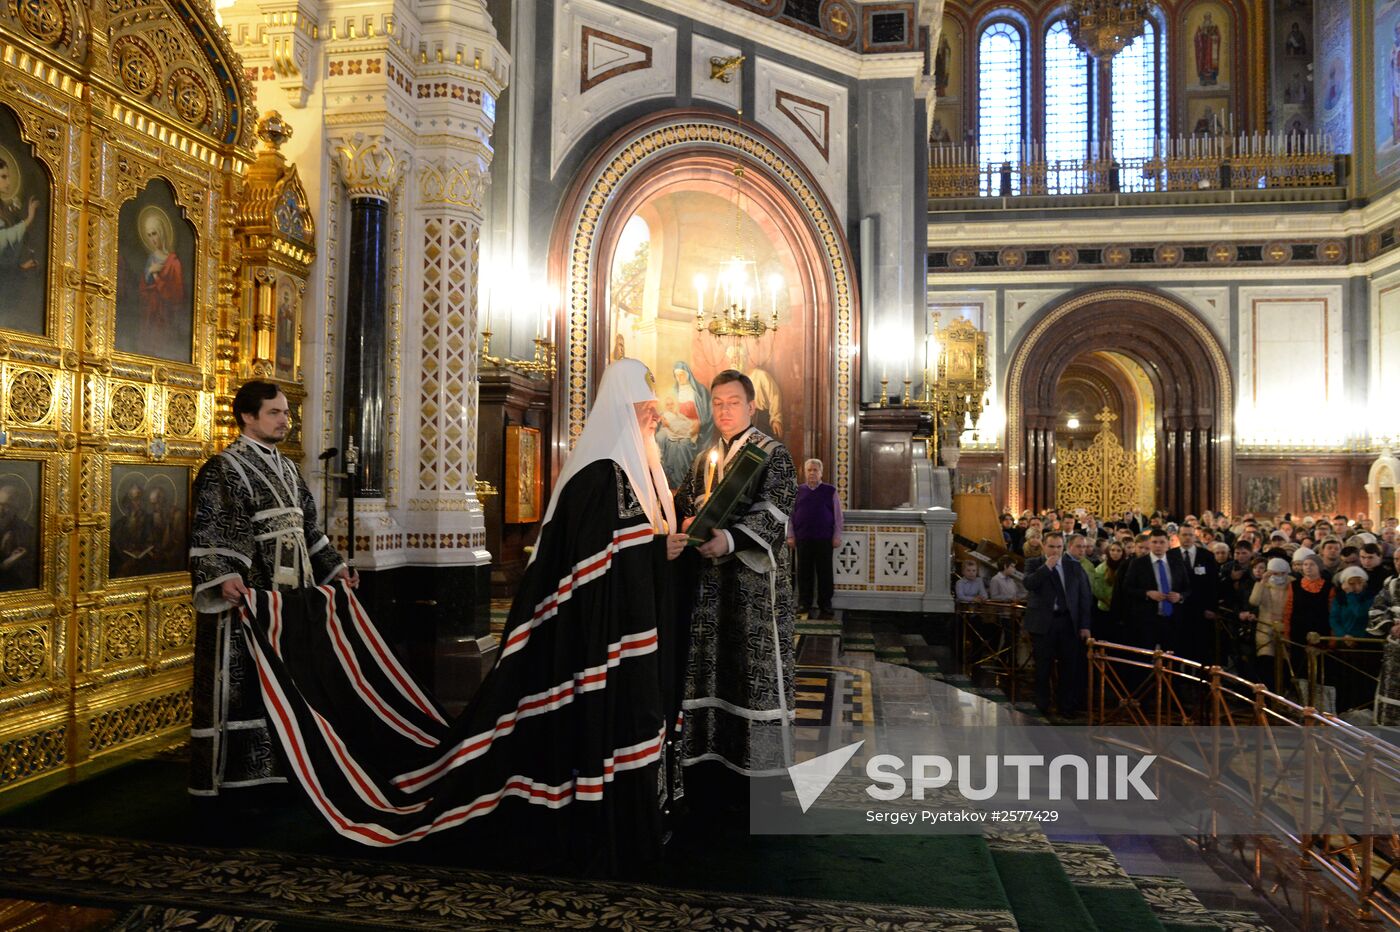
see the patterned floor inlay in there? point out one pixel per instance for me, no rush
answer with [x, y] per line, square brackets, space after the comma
[355, 894]
[1172, 900]
[168, 919]
[834, 695]
[1091, 865]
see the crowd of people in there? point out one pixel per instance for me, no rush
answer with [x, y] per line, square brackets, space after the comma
[1250, 593]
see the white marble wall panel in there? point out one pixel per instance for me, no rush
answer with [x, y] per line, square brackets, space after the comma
[703, 87]
[809, 115]
[852, 566]
[1385, 354]
[1021, 306]
[1291, 359]
[1211, 304]
[895, 560]
[605, 58]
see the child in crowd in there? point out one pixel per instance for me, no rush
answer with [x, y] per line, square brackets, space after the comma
[1005, 587]
[970, 587]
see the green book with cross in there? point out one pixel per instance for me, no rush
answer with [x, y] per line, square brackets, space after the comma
[732, 493]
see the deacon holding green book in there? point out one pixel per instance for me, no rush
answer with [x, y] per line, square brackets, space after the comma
[734, 504]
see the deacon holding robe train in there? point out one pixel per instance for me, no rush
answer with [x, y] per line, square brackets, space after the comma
[254, 528]
[566, 752]
[739, 681]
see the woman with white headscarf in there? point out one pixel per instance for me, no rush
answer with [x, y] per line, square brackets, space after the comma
[564, 752]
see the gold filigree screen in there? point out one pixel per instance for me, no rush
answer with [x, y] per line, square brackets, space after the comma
[119, 168]
[1102, 479]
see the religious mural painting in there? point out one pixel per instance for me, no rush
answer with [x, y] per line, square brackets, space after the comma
[1208, 69]
[155, 276]
[1208, 59]
[1387, 86]
[946, 126]
[662, 271]
[24, 231]
[150, 520]
[1332, 72]
[1208, 116]
[21, 490]
[1263, 495]
[288, 317]
[1318, 494]
[1292, 57]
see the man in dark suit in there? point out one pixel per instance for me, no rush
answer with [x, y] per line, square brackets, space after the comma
[1059, 609]
[1153, 591]
[1197, 623]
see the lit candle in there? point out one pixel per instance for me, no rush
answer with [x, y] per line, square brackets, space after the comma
[710, 469]
[699, 297]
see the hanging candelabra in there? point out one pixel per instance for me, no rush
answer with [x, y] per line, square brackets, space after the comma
[737, 300]
[1103, 28]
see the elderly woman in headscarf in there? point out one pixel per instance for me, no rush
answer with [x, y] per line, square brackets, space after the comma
[1310, 606]
[563, 753]
[1272, 600]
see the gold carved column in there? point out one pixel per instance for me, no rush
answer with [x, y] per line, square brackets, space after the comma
[276, 235]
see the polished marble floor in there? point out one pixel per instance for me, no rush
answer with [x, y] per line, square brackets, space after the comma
[905, 698]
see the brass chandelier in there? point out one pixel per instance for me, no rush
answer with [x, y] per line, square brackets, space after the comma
[1103, 28]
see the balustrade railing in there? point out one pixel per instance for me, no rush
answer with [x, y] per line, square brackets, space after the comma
[1325, 788]
[1246, 162]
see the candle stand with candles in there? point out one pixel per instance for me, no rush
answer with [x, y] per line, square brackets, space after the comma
[955, 383]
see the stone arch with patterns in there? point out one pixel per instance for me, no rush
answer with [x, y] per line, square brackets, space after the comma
[697, 148]
[1191, 380]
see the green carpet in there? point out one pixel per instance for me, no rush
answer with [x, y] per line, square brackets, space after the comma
[1041, 895]
[138, 819]
[1118, 908]
[1107, 892]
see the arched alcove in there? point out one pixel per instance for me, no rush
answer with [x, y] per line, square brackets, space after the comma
[1191, 387]
[684, 159]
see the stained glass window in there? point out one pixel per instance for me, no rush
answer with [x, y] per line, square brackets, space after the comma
[1067, 76]
[1138, 102]
[1001, 99]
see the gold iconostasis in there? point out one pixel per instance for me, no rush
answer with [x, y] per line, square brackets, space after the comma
[149, 262]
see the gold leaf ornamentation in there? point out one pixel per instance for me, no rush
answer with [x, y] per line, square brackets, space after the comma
[177, 628]
[22, 656]
[31, 396]
[182, 414]
[45, 20]
[128, 408]
[122, 637]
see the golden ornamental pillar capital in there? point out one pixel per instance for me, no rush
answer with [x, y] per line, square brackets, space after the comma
[446, 183]
[369, 165]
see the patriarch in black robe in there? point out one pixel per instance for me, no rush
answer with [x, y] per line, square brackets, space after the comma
[568, 746]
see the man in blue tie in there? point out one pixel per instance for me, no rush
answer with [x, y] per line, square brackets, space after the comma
[1153, 590]
[1059, 607]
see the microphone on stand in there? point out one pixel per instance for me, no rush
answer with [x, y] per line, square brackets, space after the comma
[329, 453]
